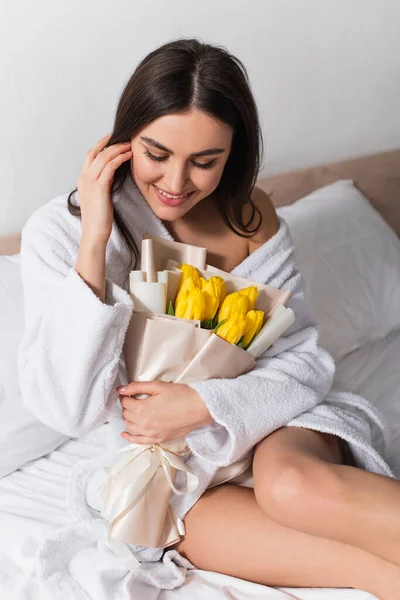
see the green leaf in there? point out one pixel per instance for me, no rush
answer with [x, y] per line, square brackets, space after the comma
[206, 324]
[241, 342]
[214, 322]
[219, 324]
[171, 309]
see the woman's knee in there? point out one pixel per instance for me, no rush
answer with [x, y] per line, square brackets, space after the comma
[293, 486]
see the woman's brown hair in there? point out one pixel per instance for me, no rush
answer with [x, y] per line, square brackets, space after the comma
[176, 77]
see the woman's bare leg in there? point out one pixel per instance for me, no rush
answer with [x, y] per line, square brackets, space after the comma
[226, 531]
[298, 484]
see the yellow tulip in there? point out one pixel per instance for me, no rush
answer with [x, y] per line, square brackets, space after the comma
[192, 306]
[187, 286]
[233, 330]
[213, 289]
[233, 303]
[189, 272]
[252, 294]
[219, 283]
[254, 320]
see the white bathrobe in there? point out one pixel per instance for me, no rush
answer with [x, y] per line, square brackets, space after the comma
[70, 364]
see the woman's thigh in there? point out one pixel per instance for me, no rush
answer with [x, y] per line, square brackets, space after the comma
[227, 532]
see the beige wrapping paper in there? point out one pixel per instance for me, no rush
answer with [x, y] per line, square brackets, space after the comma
[137, 494]
[160, 347]
[163, 250]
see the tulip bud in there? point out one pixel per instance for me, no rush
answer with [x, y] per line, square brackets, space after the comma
[233, 330]
[252, 294]
[219, 283]
[212, 289]
[189, 272]
[187, 286]
[192, 306]
[233, 303]
[254, 322]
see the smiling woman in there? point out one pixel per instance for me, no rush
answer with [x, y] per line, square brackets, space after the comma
[191, 118]
[182, 162]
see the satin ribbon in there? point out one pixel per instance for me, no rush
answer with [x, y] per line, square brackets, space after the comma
[128, 481]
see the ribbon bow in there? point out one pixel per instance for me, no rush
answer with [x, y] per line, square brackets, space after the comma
[136, 497]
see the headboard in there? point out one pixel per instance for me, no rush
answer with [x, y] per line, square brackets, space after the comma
[10, 244]
[376, 175]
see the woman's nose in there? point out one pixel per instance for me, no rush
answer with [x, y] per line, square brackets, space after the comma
[176, 181]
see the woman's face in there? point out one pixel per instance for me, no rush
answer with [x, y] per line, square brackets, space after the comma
[181, 155]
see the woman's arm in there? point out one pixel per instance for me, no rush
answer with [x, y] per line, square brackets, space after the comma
[69, 354]
[292, 376]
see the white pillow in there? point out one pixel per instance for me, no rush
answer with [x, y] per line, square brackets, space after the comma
[350, 260]
[373, 372]
[22, 437]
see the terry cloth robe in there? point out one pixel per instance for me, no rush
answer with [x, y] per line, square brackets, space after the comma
[70, 362]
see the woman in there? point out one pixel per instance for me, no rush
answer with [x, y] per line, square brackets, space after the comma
[184, 156]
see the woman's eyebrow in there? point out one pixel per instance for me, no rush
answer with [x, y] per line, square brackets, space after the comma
[164, 149]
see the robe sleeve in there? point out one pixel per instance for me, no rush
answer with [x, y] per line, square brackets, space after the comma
[69, 354]
[291, 377]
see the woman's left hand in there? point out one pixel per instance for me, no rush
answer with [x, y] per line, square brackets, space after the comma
[171, 411]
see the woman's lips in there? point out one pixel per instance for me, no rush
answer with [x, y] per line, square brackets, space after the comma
[172, 201]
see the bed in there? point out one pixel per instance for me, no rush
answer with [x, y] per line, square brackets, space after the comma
[33, 501]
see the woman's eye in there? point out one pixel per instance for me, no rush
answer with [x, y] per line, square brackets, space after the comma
[205, 165]
[162, 158]
[156, 158]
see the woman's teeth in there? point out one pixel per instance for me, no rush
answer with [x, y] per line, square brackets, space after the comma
[172, 197]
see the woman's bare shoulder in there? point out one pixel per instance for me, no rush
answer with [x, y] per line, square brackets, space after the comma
[270, 222]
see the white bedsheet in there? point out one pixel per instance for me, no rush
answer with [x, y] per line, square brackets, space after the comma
[33, 503]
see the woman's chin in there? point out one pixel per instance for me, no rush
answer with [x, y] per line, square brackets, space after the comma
[168, 213]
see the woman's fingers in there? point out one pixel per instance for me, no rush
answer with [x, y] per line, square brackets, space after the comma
[93, 152]
[106, 161]
[136, 425]
[134, 433]
[137, 439]
[128, 415]
[108, 171]
[134, 429]
[98, 157]
[140, 387]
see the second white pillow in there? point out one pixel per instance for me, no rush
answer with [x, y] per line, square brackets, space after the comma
[350, 260]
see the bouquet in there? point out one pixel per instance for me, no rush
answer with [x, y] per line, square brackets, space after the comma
[191, 322]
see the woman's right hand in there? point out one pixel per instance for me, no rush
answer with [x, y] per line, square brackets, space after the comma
[94, 188]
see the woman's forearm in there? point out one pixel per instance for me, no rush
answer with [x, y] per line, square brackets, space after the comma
[91, 265]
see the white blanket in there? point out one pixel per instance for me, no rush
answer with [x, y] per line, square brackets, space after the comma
[70, 364]
[33, 506]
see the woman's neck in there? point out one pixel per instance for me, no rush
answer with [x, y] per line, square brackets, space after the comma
[204, 226]
[202, 221]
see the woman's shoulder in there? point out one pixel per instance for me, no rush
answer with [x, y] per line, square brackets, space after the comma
[52, 215]
[51, 229]
[270, 222]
